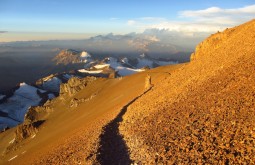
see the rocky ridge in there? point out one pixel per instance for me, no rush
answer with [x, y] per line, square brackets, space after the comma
[68, 56]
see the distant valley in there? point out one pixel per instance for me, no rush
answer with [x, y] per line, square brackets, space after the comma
[29, 61]
[68, 65]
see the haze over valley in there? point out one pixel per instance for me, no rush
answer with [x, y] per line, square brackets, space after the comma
[28, 61]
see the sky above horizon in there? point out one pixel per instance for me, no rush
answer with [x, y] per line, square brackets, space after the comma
[78, 19]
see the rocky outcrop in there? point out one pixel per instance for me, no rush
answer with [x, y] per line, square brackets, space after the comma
[147, 82]
[68, 56]
[76, 102]
[74, 85]
[27, 130]
[37, 113]
[22, 132]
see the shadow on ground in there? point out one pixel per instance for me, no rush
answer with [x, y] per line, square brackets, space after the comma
[113, 149]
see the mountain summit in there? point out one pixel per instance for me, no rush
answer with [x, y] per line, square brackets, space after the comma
[201, 112]
[70, 56]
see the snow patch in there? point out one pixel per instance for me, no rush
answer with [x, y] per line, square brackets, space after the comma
[2, 125]
[51, 96]
[52, 85]
[13, 158]
[12, 141]
[85, 54]
[85, 57]
[90, 71]
[100, 66]
[17, 105]
[144, 62]
[162, 63]
[27, 91]
[1, 96]
[124, 71]
[125, 60]
[142, 55]
[67, 76]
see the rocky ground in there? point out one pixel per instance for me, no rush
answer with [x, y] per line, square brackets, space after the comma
[203, 112]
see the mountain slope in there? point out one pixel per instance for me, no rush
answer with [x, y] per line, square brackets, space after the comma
[76, 131]
[202, 113]
[198, 112]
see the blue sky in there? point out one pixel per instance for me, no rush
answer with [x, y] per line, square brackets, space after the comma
[105, 16]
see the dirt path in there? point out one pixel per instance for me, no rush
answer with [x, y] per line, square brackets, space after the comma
[113, 149]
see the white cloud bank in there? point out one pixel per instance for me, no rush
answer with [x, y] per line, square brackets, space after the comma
[216, 11]
[209, 20]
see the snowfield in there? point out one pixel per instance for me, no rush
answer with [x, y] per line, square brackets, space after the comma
[144, 62]
[18, 104]
[162, 63]
[1, 96]
[67, 76]
[101, 66]
[52, 85]
[122, 71]
[85, 57]
[90, 72]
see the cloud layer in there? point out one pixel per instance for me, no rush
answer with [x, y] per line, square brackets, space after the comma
[207, 20]
[216, 11]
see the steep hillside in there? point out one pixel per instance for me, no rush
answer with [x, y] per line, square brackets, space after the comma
[204, 111]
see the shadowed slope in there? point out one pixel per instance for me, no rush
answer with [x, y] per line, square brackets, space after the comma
[113, 149]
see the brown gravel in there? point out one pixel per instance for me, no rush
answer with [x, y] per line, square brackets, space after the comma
[204, 112]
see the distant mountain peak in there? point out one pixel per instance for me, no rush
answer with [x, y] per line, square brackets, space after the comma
[70, 56]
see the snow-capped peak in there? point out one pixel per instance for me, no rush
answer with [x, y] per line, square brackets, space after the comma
[142, 55]
[124, 60]
[85, 57]
[85, 54]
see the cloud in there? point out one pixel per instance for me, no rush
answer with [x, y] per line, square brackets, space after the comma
[216, 11]
[208, 20]
[3, 32]
[131, 22]
[152, 19]
[187, 27]
[219, 16]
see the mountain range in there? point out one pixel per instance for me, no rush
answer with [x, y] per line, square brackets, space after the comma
[16, 102]
[31, 60]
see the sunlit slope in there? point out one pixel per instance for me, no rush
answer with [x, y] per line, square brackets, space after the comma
[70, 135]
[203, 112]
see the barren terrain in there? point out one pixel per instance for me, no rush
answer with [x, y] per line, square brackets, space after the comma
[197, 112]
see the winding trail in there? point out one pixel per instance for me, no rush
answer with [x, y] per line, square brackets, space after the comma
[112, 148]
